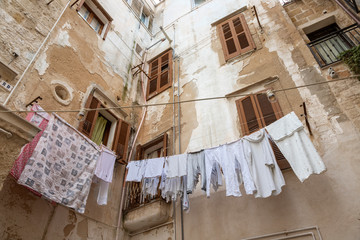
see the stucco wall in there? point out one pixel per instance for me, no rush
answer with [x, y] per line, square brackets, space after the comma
[77, 57]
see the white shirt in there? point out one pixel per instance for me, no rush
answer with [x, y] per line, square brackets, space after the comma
[105, 165]
[289, 135]
[266, 173]
[136, 171]
[175, 166]
[154, 167]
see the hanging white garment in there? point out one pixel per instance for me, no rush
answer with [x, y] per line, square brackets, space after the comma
[150, 187]
[289, 135]
[196, 167]
[235, 150]
[213, 172]
[154, 167]
[175, 166]
[103, 192]
[266, 173]
[136, 171]
[227, 164]
[105, 165]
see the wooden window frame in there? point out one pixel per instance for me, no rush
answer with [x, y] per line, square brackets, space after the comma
[119, 123]
[239, 50]
[159, 73]
[103, 12]
[282, 162]
[140, 149]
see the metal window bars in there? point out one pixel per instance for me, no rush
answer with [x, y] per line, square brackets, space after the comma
[354, 4]
[327, 49]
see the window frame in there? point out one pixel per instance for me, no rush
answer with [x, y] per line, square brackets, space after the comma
[281, 160]
[159, 89]
[194, 5]
[119, 125]
[99, 13]
[246, 31]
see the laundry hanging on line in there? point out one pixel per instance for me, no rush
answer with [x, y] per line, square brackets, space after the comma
[249, 161]
[104, 172]
[62, 165]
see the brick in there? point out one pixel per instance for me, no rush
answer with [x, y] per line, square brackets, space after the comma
[295, 12]
[304, 14]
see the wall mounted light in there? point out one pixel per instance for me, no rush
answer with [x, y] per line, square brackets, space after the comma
[271, 96]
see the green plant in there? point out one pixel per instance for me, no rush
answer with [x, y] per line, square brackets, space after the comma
[352, 58]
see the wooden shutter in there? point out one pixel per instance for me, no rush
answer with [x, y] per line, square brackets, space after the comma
[139, 151]
[160, 74]
[154, 73]
[165, 145]
[255, 112]
[248, 114]
[235, 37]
[165, 71]
[80, 5]
[121, 140]
[269, 113]
[136, 5]
[87, 126]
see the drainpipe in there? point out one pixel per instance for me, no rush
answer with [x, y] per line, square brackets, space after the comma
[36, 54]
[132, 149]
[177, 59]
[354, 16]
[174, 132]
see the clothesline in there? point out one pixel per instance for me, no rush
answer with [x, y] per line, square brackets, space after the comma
[249, 161]
[181, 102]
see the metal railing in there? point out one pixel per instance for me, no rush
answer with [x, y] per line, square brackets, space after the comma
[354, 4]
[135, 197]
[327, 49]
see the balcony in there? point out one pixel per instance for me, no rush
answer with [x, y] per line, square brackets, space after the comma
[142, 212]
[327, 49]
[354, 4]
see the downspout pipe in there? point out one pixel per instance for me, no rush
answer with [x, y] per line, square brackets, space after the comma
[35, 55]
[353, 15]
[131, 152]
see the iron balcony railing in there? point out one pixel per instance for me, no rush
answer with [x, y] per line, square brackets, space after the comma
[327, 49]
[354, 4]
[135, 197]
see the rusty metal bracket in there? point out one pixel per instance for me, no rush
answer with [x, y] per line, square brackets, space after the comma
[306, 118]
[253, 8]
[34, 101]
[139, 69]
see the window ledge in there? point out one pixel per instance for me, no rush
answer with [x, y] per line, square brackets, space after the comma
[17, 125]
[240, 57]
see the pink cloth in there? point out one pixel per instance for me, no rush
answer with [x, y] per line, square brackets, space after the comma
[40, 120]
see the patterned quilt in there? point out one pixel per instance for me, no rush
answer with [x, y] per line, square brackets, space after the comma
[62, 165]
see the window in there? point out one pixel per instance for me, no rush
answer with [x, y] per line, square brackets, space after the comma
[139, 50]
[160, 72]
[153, 149]
[102, 126]
[285, 2]
[95, 15]
[256, 112]
[142, 12]
[328, 42]
[196, 3]
[354, 4]
[235, 37]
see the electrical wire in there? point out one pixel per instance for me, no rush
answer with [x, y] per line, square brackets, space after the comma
[184, 101]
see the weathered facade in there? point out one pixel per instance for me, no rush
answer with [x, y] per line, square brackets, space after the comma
[65, 58]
